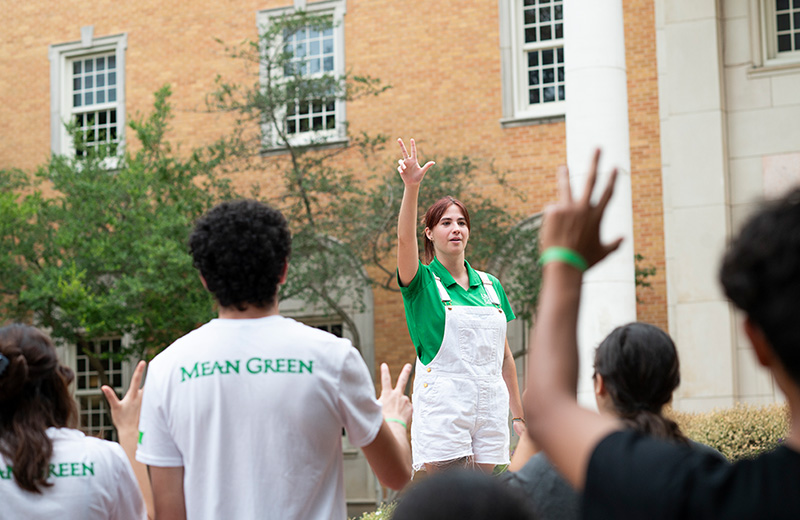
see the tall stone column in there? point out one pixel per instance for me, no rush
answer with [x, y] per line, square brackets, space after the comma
[597, 116]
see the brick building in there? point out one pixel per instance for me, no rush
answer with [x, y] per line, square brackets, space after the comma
[711, 109]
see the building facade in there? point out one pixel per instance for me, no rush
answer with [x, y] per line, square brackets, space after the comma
[711, 92]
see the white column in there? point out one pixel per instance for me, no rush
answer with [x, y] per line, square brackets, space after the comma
[597, 116]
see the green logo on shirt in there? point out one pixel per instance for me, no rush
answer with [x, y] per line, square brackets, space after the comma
[62, 470]
[253, 365]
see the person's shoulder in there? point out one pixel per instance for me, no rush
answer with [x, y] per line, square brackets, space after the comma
[93, 448]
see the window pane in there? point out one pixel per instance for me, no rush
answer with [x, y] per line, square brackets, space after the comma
[331, 106]
[783, 22]
[89, 81]
[327, 46]
[101, 63]
[76, 67]
[548, 76]
[558, 10]
[533, 96]
[533, 59]
[797, 20]
[112, 78]
[102, 117]
[797, 41]
[317, 123]
[290, 127]
[330, 122]
[559, 30]
[530, 35]
[112, 95]
[533, 77]
[313, 66]
[549, 94]
[313, 48]
[545, 34]
[544, 14]
[113, 116]
[561, 93]
[76, 84]
[530, 16]
[101, 80]
[784, 43]
[547, 57]
[88, 65]
[112, 62]
[88, 98]
[304, 125]
[101, 96]
[781, 4]
[327, 65]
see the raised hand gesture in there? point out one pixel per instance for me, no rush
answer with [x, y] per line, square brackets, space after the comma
[410, 170]
[575, 223]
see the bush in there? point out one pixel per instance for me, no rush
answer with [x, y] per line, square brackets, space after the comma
[743, 431]
[384, 512]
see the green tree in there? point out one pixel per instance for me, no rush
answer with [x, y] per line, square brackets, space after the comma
[344, 223]
[104, 253]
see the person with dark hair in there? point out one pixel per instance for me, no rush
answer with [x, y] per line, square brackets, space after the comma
[243, 417]
[636, 370]
[466, 378]
[50, 470]
[462, 495]
[622, 473]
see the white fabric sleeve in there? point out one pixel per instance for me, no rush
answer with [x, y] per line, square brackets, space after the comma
[127, 502]
[361, 412]
[156, 446]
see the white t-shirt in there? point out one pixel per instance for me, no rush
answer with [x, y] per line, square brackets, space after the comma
[92, 480]
[254, 411]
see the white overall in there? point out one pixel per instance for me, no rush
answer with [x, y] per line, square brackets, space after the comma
[460, 398]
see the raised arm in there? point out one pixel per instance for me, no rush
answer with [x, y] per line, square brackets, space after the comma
[389, 455]
[566, 432]
[125, 416]
[407, 248]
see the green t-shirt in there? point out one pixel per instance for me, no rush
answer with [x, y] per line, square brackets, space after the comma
[425, 310]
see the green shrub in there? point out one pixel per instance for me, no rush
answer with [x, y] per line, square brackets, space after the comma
[740, 432]
[384, 512]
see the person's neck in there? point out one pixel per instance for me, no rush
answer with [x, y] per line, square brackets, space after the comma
[250, 312]
[456, 267]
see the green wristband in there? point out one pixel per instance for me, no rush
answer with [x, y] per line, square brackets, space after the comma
[398, 421]
[565, 255]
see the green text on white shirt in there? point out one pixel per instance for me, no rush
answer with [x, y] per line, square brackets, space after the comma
[254, 365]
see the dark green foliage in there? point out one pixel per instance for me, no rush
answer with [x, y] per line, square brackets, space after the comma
[105, 254]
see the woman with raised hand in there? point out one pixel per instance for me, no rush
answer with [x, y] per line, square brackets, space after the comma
[47, 469]
[465, 374]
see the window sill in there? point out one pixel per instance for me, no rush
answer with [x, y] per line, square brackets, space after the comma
[775, 68]
[513, 122]
[326, 145]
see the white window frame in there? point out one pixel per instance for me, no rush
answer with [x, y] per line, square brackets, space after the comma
[61, 111]
[764, 43]
[106, 429]
[336, 9]
[514, 54]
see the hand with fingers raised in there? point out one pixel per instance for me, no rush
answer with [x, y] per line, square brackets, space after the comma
[410, 170]
[575, 224]
[125, 412]
[396, 405]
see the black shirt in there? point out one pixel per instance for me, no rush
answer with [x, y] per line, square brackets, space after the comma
[632, 476]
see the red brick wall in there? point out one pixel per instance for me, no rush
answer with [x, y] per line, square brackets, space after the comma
[441, 58]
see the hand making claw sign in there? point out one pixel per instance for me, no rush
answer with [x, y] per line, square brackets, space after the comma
[575, 224]
[409, 168]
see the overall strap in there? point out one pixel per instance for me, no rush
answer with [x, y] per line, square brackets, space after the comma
[442, 291]
[489, 287]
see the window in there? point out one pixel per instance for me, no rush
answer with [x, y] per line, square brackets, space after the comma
[94, 416]
[532, 52]
[775, 31]
[87, 90]
[315, 53]
[787, 26]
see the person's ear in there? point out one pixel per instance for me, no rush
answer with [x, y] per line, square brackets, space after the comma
[599, 386]
[429, 234]
[760, 343]
[284, 273]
